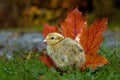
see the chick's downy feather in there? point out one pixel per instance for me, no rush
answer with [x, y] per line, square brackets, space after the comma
[64, 51]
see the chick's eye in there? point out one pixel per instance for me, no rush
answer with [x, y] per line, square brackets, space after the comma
[52, 37]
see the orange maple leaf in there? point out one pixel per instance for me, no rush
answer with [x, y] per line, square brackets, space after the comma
[75, 27]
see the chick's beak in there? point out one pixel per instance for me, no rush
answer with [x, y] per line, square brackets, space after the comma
[44, 41]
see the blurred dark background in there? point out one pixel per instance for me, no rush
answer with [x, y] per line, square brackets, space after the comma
[34, 13]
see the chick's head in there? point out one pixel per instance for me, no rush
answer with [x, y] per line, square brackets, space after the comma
[53, 38]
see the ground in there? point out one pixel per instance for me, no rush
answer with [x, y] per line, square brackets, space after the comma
[20, 66]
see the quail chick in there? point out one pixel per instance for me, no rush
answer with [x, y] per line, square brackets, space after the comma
[64, 52]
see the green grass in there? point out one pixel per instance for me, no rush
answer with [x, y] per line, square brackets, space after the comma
[33, 69]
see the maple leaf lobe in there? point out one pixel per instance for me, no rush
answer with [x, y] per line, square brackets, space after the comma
[73, 24]
[48, 29]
